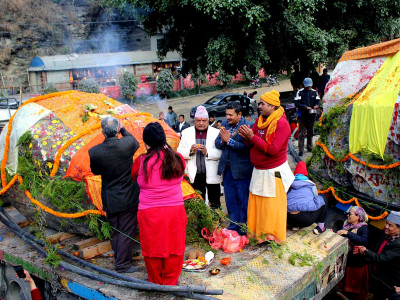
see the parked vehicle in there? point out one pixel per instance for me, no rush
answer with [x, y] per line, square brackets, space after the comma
[217, 104]
[255, 83]
[272, 80]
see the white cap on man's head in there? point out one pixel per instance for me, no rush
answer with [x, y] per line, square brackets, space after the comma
[394, 217]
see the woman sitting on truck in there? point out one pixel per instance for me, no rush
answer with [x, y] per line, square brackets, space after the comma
[355, 228]
[161, 214]
[304, 205]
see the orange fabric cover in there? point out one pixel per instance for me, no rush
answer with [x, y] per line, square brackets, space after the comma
[93, 189]
[381, 49]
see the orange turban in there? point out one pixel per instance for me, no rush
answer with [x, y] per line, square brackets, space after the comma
[271, 97]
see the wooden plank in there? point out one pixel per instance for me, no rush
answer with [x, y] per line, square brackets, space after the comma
[86, 243]
[59, 237]
[95, 250]
[23, 224]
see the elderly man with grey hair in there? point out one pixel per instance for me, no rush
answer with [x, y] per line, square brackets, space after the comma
[113, 160]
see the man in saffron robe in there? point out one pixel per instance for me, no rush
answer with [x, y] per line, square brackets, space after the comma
[272, 176]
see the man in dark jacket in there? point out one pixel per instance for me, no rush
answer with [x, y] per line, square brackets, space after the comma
[120, 194]
[181, 125]
[306, 100]
[235, 165]
[386, 258]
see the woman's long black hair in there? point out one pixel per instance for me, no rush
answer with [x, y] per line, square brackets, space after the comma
[172, 165]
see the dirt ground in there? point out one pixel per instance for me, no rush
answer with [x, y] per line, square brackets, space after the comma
[183, 105]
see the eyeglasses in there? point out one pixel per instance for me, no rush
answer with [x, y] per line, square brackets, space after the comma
[349, 214]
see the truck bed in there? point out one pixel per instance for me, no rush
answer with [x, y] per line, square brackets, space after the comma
[258, 272]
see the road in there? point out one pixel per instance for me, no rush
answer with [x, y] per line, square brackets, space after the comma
[183, 105]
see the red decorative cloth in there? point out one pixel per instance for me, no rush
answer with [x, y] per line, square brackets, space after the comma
[301, 169]
[162, 231]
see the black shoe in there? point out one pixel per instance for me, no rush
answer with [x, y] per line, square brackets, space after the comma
[309, 149]
[300, 153]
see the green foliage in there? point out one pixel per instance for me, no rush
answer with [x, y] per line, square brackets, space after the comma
[89, 86]
[129, 85]
[52, 259]
[225, 78]
[66, 195]
[199, 79]
[49, 88]
[331, 121]
[199, 216]
[233, 34]
[165, 81]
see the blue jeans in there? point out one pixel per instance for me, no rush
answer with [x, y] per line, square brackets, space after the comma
[236, 199]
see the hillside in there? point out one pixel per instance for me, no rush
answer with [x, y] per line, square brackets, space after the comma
[31, 28]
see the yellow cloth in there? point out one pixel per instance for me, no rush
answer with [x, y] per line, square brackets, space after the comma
[271, 97]
[372, 112]
[270, 122]
[266, 216]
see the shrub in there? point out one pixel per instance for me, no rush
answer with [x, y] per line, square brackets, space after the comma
[89, 86]
[165, 81]
[49, 88]
[129, 85]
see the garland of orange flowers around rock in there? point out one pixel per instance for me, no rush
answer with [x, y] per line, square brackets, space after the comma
[56, 213]
[45, 208]
[6, 186]
[332, 190]
[9, 127]
[353, 157]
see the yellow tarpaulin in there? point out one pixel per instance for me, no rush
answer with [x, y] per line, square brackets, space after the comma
[372, 112]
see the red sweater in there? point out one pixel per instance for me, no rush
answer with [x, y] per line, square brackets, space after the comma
[265, 155]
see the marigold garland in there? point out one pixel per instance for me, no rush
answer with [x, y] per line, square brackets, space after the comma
[57, 159]
[353, 157]
[332, 190]
[6, 186]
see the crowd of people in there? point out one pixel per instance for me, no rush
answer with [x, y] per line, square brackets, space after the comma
[263, 196]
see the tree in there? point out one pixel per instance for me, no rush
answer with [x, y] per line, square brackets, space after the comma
[225, 78]
[129, 85]
[165, 82]
[232, 34]
[89, 86]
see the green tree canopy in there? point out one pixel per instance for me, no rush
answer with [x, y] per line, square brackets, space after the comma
[165, 81]
[232, 34]
[129, 85]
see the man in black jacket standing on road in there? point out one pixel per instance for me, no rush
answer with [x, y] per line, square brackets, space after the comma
[120, 194]
[306, 101]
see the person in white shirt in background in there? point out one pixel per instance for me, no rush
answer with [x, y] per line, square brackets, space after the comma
[181, 125]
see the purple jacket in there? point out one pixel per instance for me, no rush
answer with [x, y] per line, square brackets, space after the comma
[303, 196]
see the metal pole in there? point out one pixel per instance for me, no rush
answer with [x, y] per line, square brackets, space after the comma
[180, 62]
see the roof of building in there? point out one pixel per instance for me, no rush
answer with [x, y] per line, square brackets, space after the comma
[95, 60]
